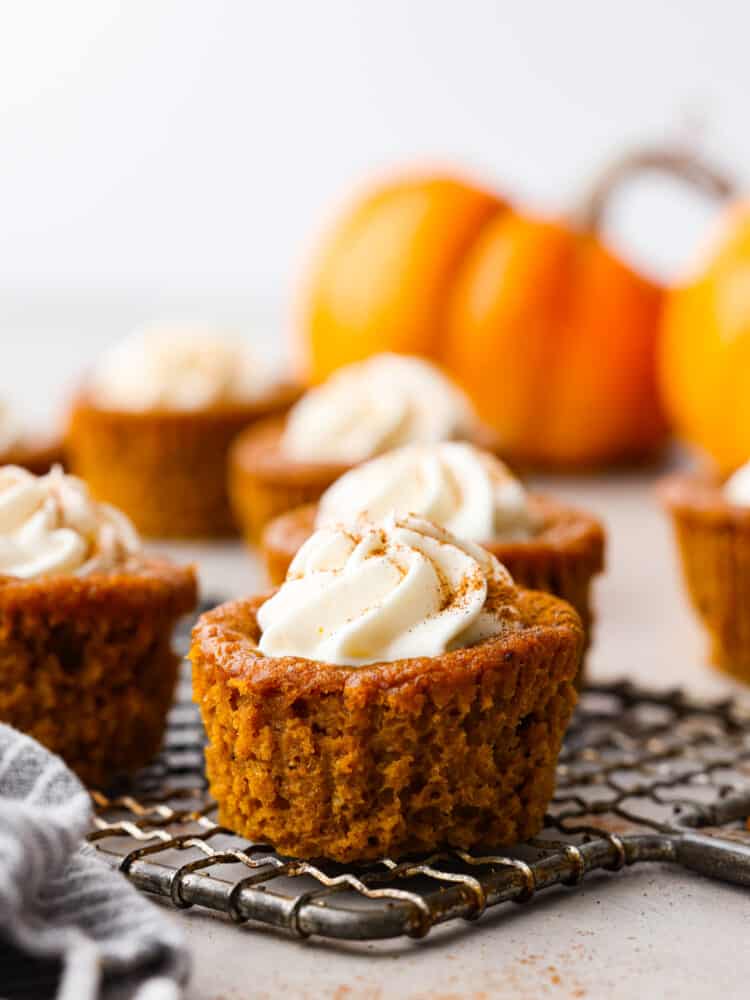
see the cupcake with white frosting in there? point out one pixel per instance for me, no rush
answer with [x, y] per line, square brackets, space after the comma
[711, 521]
[546, 545]
[397, 693]
[373, 406]
[86, 620]
[151, 429]
[361, 411]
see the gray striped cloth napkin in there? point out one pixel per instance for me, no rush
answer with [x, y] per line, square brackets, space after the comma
[59, 901]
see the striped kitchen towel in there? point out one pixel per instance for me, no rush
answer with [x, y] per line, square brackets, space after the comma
[59, 901]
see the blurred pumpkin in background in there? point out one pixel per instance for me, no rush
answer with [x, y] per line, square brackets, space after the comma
[555, 338]
[705, 354]
[552, 335]
[380, 280]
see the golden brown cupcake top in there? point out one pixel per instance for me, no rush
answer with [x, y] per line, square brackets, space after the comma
[226, 639]
[50, 525]
[398, 589]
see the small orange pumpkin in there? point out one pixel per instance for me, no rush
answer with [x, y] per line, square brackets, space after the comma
[552, 335]
[379, 282]
[705, 353]
[554, 338]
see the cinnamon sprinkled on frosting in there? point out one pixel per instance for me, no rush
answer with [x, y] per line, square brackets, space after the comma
[398, 589]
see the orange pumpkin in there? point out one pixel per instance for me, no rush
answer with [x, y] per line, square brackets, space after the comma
[705, 355]
[380, 281]
[552, 335]
[554, 338]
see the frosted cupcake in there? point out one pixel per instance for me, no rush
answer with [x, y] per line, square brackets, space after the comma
[361, 411]
[544, 544]
[398, 693]
[86, 619]
[712, 526]
[151, 429]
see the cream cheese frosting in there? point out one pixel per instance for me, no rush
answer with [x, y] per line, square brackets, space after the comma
[468, 491]
[372, 406]
[374, 593]
[10, 430]
[176, 369]
[737, 487]
[50, 525]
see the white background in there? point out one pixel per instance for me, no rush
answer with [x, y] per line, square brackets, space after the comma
[176, 157]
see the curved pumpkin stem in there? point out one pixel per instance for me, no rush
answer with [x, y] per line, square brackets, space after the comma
[678, 162]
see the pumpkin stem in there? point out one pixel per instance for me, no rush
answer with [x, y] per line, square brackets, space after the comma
[676, 161]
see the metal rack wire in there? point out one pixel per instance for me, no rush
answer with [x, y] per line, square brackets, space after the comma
[643, 777]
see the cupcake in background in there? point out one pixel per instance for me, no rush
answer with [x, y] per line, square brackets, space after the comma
[150, 430]
[544, 544]
[361, 411]
[86, 619]
[19, 446]
[711, 522]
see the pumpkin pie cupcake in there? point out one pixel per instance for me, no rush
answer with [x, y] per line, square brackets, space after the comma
[361, 411]
[712, 526]
[33, 452]
[86, 619]
[151, 429]
[398, 693]
[544, 544]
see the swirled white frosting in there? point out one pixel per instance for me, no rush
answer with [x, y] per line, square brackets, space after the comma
[372, 406]
[737, 487]
[465, 490]
[50, 524]
[10, 430]
[379, 592]
[172, 369]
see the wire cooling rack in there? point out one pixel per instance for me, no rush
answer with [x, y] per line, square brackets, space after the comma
[643, 776]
